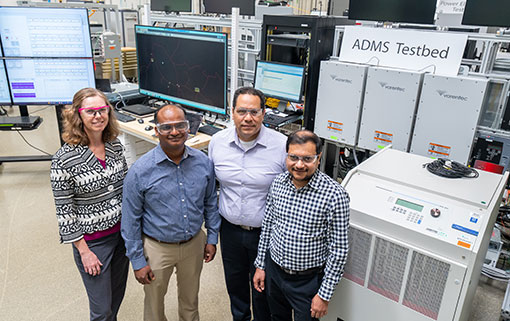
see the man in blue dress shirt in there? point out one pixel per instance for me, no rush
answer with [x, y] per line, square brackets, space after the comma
[246, 159]
[168, 193]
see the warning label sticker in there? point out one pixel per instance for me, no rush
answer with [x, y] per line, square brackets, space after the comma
[382, 137]
[335, 126]
[437, 150]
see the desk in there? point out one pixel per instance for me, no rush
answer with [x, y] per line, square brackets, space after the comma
[136, 129]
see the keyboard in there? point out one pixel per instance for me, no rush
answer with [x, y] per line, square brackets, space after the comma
[123, 117]
[275, 120]
[208, 130]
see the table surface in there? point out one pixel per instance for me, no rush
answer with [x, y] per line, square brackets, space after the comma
[199, 141]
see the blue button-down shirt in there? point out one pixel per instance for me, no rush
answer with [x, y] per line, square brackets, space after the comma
[168, 202]
[245, 175]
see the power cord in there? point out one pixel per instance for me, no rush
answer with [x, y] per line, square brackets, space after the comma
[26, 141]
[450, 169]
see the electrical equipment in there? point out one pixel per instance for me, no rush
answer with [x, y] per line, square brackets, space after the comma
[492, 147]
[281, 81]
[495, 247]
[171, 5]
[417, 11]
[391, 97]
[188, 67]
[417, 241]
[246, 7]
[486, 13]
[339, 101]
[265, 9]
[447, 117]
[47, 53]
[301, 40]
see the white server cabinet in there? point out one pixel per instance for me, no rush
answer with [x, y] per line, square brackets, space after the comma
[389, 106]
[447, 117]
[417, 241]
[339, 101]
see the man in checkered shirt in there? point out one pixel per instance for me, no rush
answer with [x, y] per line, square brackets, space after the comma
[303, 244]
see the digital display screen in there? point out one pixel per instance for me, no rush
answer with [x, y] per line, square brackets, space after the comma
[45, 32]
[188, 67]
[412, 11]
[279, 80]
[487, 13]
[48, 81]
[409, 205]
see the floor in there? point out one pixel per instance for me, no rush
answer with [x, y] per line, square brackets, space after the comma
[38, 278]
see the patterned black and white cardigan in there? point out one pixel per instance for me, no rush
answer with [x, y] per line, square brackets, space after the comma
[88, 197]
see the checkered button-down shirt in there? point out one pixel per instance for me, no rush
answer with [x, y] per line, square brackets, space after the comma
[307, 228]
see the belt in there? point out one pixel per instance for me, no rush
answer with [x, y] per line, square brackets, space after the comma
[248, 228]
[304, 272]
[173, 243]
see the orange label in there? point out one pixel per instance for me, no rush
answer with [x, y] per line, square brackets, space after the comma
[334, 125]
[464, 244]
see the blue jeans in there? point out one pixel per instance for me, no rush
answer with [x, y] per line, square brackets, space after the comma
[238, 251]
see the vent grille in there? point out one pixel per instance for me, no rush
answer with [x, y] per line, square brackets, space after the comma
[357, 261]
[426, 284]
[387, 271]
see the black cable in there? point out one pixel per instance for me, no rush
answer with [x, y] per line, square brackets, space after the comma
[26, 141]
[3, 112]
[450, 169]
[40, 109]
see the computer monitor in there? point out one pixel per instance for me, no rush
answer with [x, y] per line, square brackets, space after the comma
[246, 7]
[410, 11]
[45, 32]
[5, 96]
[48, 81]
[171, 5]
[494, 13]
[281, 81]
[188, 67]
[47, 53]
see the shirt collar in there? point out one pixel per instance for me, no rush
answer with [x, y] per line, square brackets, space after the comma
[160, 155]
[262, 137]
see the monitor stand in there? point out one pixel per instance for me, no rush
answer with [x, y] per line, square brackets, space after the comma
[22, 122]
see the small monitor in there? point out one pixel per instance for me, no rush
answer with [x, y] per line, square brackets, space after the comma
[410, 11]
[494, 13]
[45, 32]
[48, 81]
[246, 7]
[171, 5]
[281, 81]
[5, 97]
[188, 67]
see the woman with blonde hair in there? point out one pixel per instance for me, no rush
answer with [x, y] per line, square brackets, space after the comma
[87, 173]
